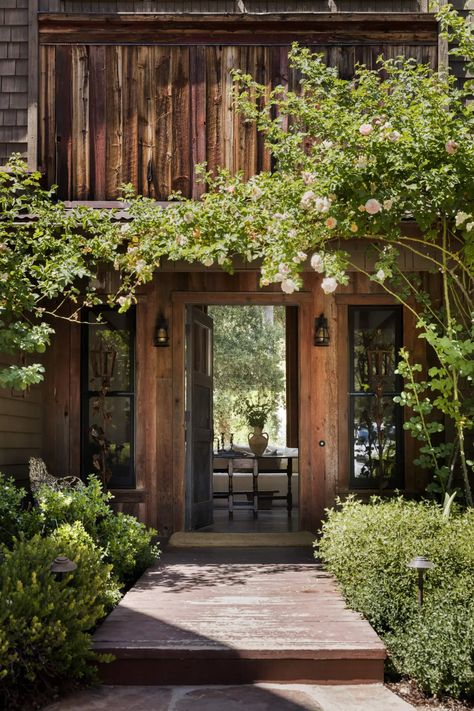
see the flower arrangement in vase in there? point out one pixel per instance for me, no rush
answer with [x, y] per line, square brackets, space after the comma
[256, 413]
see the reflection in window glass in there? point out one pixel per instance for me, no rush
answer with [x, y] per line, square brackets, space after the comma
[108, 399]
[376, 441]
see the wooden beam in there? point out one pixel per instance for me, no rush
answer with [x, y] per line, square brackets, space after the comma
[253, 29]
[244, 297]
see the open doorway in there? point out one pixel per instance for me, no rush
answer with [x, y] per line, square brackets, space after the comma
[242, 381]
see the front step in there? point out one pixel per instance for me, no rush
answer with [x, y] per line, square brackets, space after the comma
[166, 667]
[237, 616]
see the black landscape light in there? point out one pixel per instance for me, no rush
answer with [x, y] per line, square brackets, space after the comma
[421, 564]
[62, 565]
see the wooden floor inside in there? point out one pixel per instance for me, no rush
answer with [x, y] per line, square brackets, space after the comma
[226, 616]
[276, 520]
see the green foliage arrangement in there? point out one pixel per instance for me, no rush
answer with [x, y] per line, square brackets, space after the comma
[368, 547]
[44, 622]
[256, 410]
[126, 543]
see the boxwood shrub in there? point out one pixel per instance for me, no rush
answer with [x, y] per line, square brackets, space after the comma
[126, 542]
[45, 622]
[368, 547]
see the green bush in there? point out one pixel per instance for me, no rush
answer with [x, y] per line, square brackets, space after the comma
[127, 543]
[44, 622]
[15, 517]
[368, 547]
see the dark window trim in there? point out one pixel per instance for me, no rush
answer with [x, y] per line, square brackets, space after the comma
[368, 482]
[87, 393]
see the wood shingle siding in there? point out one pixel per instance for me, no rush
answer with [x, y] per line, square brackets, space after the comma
[13, 77]
[231, 6]
[146, 115]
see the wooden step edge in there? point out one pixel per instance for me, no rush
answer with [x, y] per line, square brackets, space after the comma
[346, 654]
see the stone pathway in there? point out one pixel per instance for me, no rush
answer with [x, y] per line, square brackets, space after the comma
[256, 697]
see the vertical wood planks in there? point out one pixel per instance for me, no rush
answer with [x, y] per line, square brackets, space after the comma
[130, 115]
[161, 76]
[114, 120]
[80, 123]
[213, 107]
[181, 170]
[47, 113]
[148, 114]
[63, 90]
[197, 80]
[97, 121]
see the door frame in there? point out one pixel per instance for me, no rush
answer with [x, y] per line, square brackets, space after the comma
[307, 510]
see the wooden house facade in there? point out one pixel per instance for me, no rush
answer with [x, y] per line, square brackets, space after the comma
[100, 93]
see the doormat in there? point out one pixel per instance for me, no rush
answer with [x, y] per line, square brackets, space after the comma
[195, 539]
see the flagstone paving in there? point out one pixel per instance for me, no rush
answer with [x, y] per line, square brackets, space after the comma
[257, 697]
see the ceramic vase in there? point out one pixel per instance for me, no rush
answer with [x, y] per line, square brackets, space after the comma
[258, 441]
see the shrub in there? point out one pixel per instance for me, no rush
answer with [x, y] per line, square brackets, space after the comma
[14, 516]
[127, 543]
[44, 622]
[368, 547]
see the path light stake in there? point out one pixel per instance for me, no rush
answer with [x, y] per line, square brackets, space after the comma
[62, 565]
[420, 563]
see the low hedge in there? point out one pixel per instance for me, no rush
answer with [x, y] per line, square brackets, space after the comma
[45, 622]
[368, 547]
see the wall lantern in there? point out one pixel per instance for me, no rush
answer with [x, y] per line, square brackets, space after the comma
[62, 565]
[321, 331]
[162, 337]
[421, 564]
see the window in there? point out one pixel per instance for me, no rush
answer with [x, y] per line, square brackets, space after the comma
[375, 424]
[108, 396]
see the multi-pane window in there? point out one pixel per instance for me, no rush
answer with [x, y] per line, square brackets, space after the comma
[375, 421]
[108, 397]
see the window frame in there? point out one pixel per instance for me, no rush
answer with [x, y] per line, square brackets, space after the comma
[87, 394]
[367, 483]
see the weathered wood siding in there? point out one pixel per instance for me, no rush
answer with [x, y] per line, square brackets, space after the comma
[21, 418]
[147, 115]
[231, 6]
[13, 77]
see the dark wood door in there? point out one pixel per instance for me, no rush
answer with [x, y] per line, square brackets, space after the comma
[199, 434]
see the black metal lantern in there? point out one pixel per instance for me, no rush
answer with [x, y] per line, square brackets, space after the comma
[161, 338]
[321, 331]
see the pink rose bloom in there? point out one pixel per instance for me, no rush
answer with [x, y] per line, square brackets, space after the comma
[328, 285]
[322, 204]
[451, 147]
[317, 263]
[331, 222]
[372, 206]
[366, 129]
[288, 286]
[394, 136]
